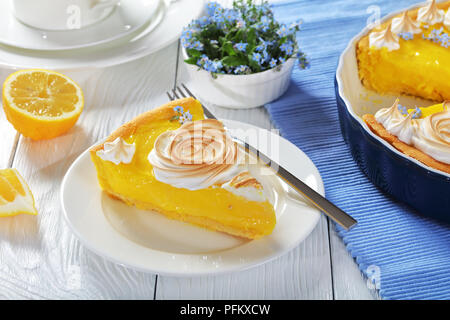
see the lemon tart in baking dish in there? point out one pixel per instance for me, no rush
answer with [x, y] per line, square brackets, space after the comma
[421, 133]
[409, 54]
[174, 161]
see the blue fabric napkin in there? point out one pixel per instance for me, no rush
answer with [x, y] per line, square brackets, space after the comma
[407, 253]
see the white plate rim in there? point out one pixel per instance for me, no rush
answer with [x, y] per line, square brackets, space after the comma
[237, 267]
[349, 106]
[106, 59]
[115, 38]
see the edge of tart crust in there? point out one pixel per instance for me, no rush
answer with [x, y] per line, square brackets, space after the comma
[411, 151]
[163, 112]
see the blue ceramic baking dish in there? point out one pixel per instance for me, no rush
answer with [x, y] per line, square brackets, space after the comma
[425, 189]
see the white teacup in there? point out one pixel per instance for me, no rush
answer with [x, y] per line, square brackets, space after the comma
[62, 14]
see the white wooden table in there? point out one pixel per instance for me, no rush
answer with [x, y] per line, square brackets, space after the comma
[41, 259]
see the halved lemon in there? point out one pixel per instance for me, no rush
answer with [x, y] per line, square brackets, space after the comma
[42, 104]
[15, 195]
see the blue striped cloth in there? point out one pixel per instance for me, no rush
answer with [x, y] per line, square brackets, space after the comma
[409, 254]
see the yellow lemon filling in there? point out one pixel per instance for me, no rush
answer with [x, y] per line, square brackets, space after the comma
[427, 111]
[419, 67]
[408, 54]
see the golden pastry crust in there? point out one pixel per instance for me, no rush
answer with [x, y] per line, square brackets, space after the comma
[163, 112]
[411, 151]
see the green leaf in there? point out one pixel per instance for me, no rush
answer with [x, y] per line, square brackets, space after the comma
[228, 49]
[234, 61]
[253, 64]
[191, 60]
[238, 37]
[193, 53]
[251, 38]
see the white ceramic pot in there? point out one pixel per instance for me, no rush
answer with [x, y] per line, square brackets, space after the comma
[240, 91]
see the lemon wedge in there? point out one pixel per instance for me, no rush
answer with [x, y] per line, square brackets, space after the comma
[15, 195]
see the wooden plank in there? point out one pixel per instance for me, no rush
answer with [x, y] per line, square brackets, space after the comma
[304, 273]
[41, 258]
[8, 134]
[348, 281]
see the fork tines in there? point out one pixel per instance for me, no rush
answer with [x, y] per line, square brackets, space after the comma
[178, 93]
[184, 92]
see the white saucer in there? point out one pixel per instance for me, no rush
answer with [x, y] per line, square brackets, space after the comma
[127, 18]
[164, 29]
[179, 249]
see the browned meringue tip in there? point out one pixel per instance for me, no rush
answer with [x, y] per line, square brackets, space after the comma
[244, 179]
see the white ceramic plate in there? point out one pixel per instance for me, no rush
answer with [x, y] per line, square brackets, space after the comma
[165, 28]
[179, 249]
[128, 17]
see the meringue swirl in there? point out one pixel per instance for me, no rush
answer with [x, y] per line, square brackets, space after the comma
[196, 156]
[394, 122]
[447, 19]
[430, 14]
[384, 38]
[117, 151]
[405, 24]
[431, 135]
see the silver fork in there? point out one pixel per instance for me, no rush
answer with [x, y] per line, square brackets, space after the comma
[331, 210]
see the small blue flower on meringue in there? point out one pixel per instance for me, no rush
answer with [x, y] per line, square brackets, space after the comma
[403, 110]
[438, 36]
[406, 35]
[417, 113]
[181, 115]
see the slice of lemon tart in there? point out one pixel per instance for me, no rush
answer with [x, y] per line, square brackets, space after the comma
[173, 161]
[409, 54]
[421, 133]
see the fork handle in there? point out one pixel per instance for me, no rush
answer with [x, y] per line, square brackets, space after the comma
[331, 210]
